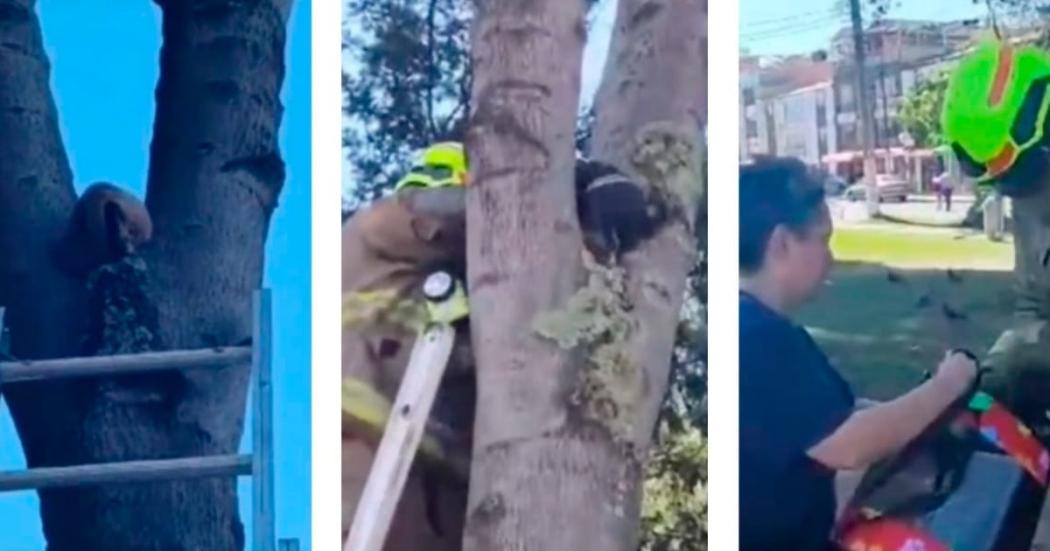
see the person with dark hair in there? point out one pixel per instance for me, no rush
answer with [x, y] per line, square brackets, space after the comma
[798, 424]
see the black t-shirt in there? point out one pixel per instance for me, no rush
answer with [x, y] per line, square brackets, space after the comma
[790, 400]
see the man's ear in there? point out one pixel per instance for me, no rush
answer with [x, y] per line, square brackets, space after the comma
[777, 247]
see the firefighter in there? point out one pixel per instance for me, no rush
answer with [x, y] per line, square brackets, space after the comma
[995, 119]
[389, 249]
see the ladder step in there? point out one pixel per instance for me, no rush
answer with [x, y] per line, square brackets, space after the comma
[63, 368]
[127, 471]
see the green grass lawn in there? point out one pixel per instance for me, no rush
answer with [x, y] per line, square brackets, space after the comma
[872, 328]
[911, 247]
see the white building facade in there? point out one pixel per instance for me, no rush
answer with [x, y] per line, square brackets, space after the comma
[804, 120]
[754, 126]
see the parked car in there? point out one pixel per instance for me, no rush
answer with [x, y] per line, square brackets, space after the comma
[890, 188]
[835, 186]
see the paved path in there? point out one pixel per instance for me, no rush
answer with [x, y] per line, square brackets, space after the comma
[919, 208]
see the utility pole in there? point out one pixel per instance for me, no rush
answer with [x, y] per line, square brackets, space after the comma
[866, 120]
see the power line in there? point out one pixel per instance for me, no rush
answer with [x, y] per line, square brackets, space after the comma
[792, 28]
[793, 17]
[808, 20]
[808, 30]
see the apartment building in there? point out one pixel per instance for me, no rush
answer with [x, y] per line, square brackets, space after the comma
[804, 122]
[765, 84]
[899, 54]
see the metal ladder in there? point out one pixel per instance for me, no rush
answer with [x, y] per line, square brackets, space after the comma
[258, 464]
[446, 303]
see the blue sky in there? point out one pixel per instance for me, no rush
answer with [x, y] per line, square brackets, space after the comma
[776, 27]
[596, 50]
[104, 69]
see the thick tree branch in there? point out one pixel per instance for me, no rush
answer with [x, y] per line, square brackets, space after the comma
[658, 49]
[44, 308]
[651, 109]
[650, 120]
[215, 176]
[215, 169]
[538, 464]
[36, 186]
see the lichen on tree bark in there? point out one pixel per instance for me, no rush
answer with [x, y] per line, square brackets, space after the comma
[596, 320]
[544, 321]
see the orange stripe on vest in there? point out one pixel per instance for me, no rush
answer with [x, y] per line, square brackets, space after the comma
[1002, 75]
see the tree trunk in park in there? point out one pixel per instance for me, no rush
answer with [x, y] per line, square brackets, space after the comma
[215, 175]
[1019, 372]
[573, 355]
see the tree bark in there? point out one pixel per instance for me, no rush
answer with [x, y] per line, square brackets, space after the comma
[523, 248]
[652, 109]
[36, 189]
[215, 175]
[45, 310]
[564, 418]
[656, 71]
[1019, 370]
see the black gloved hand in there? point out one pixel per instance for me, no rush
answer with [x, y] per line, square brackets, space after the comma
[613, 210]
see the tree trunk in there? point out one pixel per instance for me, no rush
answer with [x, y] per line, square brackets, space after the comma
[656, 72]
[652, 111]
[215, 175]
[45, 310]
[1018, 362]
[565, 416]
[523, 248]
[36, 191]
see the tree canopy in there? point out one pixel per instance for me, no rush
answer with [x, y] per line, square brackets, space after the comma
[920, 113]
[407, 85]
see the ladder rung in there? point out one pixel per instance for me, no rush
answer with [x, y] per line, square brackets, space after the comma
[18, 371]
[127, 471]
